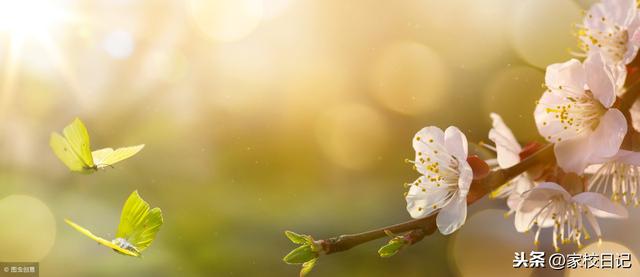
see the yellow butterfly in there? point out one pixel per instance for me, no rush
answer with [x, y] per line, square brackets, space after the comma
[74, 150]
[138, 227]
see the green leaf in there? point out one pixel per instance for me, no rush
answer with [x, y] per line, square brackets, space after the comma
[392, 247]
[302, 254]
[307, 267]
[296, 238]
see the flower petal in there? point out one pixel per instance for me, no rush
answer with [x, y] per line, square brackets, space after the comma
[599, 147]
[422, 138]
[452, 216]
[514, 200]
[608, 136]
[465, 178]
[635, 38]
[424, 198]
[532, 202]
[549, 124]
[569, 74]
[553, 189]
[425, 142]
[456, 143]
[619, 73]
[601, 206]
[527, 211]
[628, 157]
[573, 155]
[521, 184]
[600, 79]
[619, 12]
[507, 147]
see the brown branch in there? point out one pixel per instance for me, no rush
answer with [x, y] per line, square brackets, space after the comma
[426, 226]
[629, 97]
[417, 229]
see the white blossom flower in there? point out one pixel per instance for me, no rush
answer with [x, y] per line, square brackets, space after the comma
[576, 113]
[508, 151]
[550, 205]
[619, 176]
[507, 147]
[441, 158]
[611, 28]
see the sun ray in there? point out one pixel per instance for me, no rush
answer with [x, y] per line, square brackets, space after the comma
[64, 68]
[9, 79]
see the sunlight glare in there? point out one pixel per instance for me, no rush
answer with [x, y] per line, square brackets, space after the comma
[28, 17]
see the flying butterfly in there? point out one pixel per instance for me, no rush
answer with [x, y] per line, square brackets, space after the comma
[74, 150]
[138, 227]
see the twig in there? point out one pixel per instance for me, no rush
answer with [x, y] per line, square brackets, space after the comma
[426, 226]
[417, 229]
[627, 100]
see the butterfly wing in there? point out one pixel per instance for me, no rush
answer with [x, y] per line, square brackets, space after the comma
[65, 153]
[139, 224]
[108, 157]
[101, 240]
[78, 137]
[100, 155]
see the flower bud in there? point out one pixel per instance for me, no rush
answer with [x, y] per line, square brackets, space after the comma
[306, 267]
[300, 255]
[392, 247]
[296, 238]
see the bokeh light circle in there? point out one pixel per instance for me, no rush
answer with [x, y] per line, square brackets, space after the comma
[28, 229]
[226, 20]
[542, 30]
[352, 135]
[512, 93]
[485, 244]
[469, 34]
[409, 78]
[606, 247]
[119, 44]
[310, 89]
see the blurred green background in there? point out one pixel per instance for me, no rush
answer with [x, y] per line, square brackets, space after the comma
[261, 116]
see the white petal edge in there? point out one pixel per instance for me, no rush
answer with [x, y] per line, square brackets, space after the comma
[568, 74]
[573, 155]
[628, 157]
[600, 79]
[608, 136]
[456, 143]
[507, 147]
[601, 206]
[465, 177]
[452, 217]
[434, 132]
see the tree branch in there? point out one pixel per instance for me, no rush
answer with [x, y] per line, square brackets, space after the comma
[419, 228]
[426, 226]
[629, 97]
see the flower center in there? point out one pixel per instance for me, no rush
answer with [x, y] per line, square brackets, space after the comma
[612, 42]
[581, 114]
[565, 217]
[442, 168]
[620, 179]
